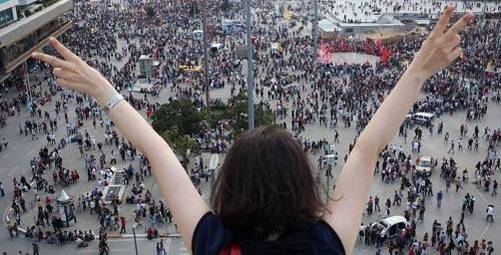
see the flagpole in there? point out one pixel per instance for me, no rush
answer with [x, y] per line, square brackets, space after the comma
[250, 75]
[315, 31]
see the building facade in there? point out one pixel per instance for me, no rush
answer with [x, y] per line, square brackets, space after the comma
[8, 12]
[27, 25]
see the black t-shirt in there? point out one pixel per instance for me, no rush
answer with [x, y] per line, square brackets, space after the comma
[210, 237]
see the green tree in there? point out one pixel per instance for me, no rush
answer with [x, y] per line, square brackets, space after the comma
[177, 122]
[181, 143]
[180, 114]
[218, 112]
[237, 114]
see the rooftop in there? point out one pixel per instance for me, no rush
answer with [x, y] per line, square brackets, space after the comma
[19, 29]
[368, 11]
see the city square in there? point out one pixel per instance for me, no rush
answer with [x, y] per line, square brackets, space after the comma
[59, 148]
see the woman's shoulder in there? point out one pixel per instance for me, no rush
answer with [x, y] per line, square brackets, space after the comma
[210, 236]
[326, 239]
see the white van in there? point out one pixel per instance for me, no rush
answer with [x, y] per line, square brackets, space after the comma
[330, 159]
[423, 118]
[388, 228]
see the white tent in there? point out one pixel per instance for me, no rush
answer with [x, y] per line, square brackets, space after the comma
[64, 197]
[214, 161]
[328, 26]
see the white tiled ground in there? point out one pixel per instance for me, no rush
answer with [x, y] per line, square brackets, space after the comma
[363, 10]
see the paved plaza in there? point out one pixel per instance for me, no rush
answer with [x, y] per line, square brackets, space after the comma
[15, 162]
[362, 11]
[22, 148]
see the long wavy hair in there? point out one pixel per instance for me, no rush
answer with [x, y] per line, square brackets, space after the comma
[265, 186]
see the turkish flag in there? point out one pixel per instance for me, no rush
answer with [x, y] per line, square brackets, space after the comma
[324, 54]
[385, 55]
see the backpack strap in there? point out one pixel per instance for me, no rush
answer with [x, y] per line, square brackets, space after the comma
[234, 249]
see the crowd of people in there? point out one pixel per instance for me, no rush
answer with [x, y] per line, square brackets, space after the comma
[300, 91]
[360, 11]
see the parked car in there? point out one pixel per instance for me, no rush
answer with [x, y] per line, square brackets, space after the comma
[390, 227]
[423, 118]
[330, 159]
[425, 165]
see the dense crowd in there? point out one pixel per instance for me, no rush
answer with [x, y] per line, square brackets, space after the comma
[369, 11]
[300, 91]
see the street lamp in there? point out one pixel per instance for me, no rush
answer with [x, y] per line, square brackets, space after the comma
[315, 31]
[250, 76]
[328, 173]
[206, 57]
[134, 234]
[27, 85]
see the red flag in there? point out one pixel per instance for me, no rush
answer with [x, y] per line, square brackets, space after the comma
[385, 55]
[324, 54]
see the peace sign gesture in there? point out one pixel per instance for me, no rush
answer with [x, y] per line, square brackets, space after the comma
[73, 73]
[441, 47]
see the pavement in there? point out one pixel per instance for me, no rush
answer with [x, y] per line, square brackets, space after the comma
[363, 10]
[22, 149]
[14, 162]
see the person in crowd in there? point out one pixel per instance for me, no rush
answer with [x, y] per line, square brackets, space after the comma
[246, 220]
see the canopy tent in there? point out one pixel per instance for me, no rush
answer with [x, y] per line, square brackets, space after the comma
[64, 198]
[327, 26]
[392, 37]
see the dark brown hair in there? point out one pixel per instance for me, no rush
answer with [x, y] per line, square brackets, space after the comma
[265, 186]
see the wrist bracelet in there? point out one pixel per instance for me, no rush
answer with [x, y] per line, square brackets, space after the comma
[112, 102]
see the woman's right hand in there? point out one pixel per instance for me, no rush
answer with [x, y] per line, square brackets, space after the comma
[73, 73]
[441, 47]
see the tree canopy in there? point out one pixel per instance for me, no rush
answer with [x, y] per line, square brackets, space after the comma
[178, 122]
[237, 114]
[180, 114]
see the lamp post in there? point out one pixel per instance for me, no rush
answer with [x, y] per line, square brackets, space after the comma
[314, 35]
[315, 30]
[329, 175]
[134, 235]
[250, 75]
[206, 57]
[27, 85]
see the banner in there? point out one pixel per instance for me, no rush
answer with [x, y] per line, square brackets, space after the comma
[324, 54]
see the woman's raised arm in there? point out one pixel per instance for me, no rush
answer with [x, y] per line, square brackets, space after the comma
[352, 187]
[182, 198]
